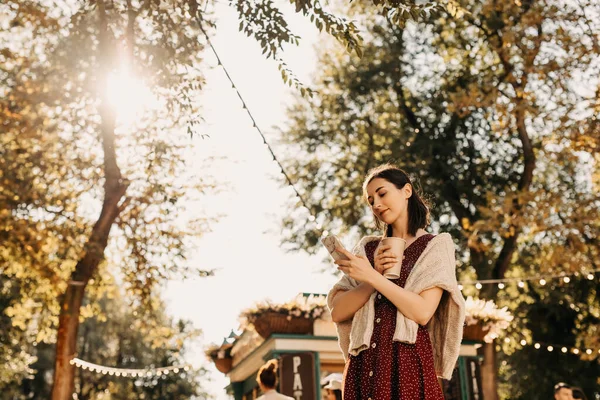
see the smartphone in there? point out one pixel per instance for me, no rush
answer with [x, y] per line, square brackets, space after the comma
[331, 243]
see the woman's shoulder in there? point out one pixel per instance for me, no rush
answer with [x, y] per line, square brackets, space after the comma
[442, 243]
[440, 238]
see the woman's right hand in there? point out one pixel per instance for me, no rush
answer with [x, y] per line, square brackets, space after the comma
[384, 258]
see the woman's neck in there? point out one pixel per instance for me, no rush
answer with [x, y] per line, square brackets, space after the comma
[402, 232]
[400, 229]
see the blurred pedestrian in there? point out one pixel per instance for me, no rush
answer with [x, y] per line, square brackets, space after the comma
[562, 391]
[333, 387]
[267, 381]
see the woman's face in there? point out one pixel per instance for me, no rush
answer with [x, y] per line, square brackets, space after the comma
[387, 202]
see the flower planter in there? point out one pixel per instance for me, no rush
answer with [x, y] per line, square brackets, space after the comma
[474, 332]
[270, 322]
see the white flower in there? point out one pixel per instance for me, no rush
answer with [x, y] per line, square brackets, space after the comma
[493, 319]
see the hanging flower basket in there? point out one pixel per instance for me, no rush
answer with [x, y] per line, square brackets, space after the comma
[484, 320]
[271, 322]
[223, 364]
[474, 332]
[221, 356]
[295, 316]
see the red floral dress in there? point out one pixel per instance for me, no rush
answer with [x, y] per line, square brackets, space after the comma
[391, 370]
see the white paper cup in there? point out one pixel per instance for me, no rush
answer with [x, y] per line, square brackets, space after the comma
[397, 247]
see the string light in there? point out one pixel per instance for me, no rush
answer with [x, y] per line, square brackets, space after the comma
[542, 279]
[128, 372]
[551, 347]
[311, 217]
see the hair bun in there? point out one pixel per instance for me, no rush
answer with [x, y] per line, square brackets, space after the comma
[272, 365]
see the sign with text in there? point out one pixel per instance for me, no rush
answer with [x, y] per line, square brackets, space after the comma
[297, 376]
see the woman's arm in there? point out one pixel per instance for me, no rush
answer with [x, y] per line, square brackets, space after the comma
[417, 307]
[346, 304]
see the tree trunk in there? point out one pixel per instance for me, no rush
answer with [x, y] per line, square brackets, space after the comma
[114, 190]
[489, 374]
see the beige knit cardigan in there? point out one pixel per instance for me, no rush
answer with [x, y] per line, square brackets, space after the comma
[435, 267]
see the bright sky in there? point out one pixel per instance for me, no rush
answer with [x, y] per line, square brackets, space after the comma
[244, 246]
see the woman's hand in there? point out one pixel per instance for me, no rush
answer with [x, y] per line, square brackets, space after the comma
[384, 258]
[357, 267]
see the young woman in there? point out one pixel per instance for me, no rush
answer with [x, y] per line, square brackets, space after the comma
[267, 381]
[386, 327]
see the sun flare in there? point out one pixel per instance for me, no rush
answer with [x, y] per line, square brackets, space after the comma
[128, 96]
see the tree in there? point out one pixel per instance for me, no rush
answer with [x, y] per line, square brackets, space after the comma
[74, 170]
[115, 337]
[15, 356]
[491, 116]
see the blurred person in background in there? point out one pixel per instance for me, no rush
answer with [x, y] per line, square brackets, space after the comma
[562, 391]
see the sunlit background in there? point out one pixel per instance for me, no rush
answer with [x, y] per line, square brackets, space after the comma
[244, 247]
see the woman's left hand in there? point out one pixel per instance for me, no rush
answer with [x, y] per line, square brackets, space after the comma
[357, 267]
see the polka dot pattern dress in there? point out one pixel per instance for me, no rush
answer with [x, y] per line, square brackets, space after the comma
[391, 370]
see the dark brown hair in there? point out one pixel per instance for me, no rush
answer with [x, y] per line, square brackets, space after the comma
[418, 208]
[578, 393]
[267, 374]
